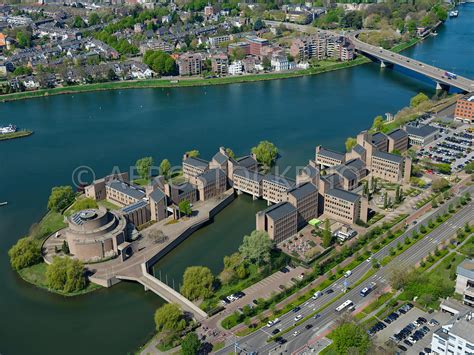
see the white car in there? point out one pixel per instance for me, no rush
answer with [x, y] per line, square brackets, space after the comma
[348, 273]
[317, 295]
[295, 333]
[298, 317]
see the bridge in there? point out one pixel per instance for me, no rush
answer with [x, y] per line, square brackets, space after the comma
[388, 58]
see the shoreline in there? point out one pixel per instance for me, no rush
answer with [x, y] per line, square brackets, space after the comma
[196, 82]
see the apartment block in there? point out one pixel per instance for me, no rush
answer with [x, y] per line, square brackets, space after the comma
[96, 190]
[256, 44]
[211, 183]
[193, 167]
[190, 64]
[455, 337]
[304, 198]
[464, 110]
[327, 157]
[397, 140]
[158, 204]
[350, 173]
[274, 188]
[279, 221]
[123, 193]
[390, 167]
[244, 47]
[184, 191]
[220, 63]
[465, 281]
[380, 141]
[344, 206]
[248, 181]
[310, 173]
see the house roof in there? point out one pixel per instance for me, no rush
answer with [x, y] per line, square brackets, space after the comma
[330, 153]
[378, 137]
[134, 206]
[196, 162]
[248, 174]
[278, 179]
[398, 134]
[126, 189]
[279, 210]
[157, 195]
[387, 156]
[343, 195]
[220, 158]
[211, 176]
[359, 149]
[185, 187]
[303, 190]
[466, 269]
[464, 329]
[246, 161]
[333, 179]
[421, 131]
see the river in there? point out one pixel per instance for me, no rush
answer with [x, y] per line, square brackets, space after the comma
[106, 129]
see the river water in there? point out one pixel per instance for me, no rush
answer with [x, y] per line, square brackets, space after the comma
[106, 129]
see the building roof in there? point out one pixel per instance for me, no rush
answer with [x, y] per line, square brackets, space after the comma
[246, 161]
[278, 179]
[220, 158]
[134, 206]
[211, 176]
[421, 131]
[378, 137]
[343, 195]
[279, 210]
[303, 190]
[157, 195]
[359, 149]
[330, 154]
[184, 188]
[310, 171]
[333, 179]
[248, 174]
[355, 164]
[387, 156]
[464, 329]
[126, 189]
[466, 269]
[196, 162]
[397, 134]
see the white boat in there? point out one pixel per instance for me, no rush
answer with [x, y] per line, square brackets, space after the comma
[8, 129]
[453, 13]
[3, 203]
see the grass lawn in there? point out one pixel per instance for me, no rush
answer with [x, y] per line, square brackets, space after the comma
[109, 205]
[468, 248]
[36, 275]
[50, 223]
[141, 182]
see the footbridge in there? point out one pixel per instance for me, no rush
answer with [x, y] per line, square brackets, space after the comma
[389, 58]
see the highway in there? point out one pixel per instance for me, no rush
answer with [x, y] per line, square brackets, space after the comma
[257, 341]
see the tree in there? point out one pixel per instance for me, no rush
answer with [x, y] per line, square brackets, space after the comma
[161, 62]
[418, 99]
[399, 277]
[165, 167]
[327, 235]
[378, 123]
[256, 247]
[143, 166]
[185, 207]
[23, 39]
[234, 268]
[197, 283]
[258, 25]
[78, 22]
[193, 153]
[24, 253]
[60, 198]
[66, 275]
[190, 344]
[230, 153]
[350, 338]
[266, 153]
[267, 64]
[93, 19]
[169, 318]
[440, 185]
[65, 247]
[350, 143]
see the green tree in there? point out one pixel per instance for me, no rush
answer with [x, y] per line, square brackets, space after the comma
[93, 19]
[378, 123]
[161, 62]
[258, 25]
[326, 234]
[65, 247]
[23, 39]
[193, 153]
[169, 318]
[256, 247]
[185, 207]
[234, 268]
[143, 166]
[66, 275]
[350, 143]
[165, 167]
[78, 22]
[60, 198]
[418, 99]
[230, 153]
[440, 185]
[190, 344]
[350, 338]
[267, 64]
[197, 283]
[22, 70]
[266, 153]
[24, 253]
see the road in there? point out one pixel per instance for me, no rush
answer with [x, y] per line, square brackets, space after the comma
[257, 341]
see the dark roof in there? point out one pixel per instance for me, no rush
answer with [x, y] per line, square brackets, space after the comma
[127, 189]
[378, 137]
[309, 170]
[197, 162]
[157, 195]
[134, 206]
[330, 154]
[355, 164]
[398, 134]
[246, 161]
[303, 190]
[185, 187]
[280, 180]
[248, 174]
[346, 172]
[210, 176]
[387, 156]
[279, 210]
[421, 131]
[220, 158]
[359, 149]
[343, 194]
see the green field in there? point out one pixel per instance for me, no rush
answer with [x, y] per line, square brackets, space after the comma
[17, 134]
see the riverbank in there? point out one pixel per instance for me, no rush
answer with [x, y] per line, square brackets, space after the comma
[14, 135]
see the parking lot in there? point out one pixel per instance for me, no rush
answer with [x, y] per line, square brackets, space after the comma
[413, 335]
